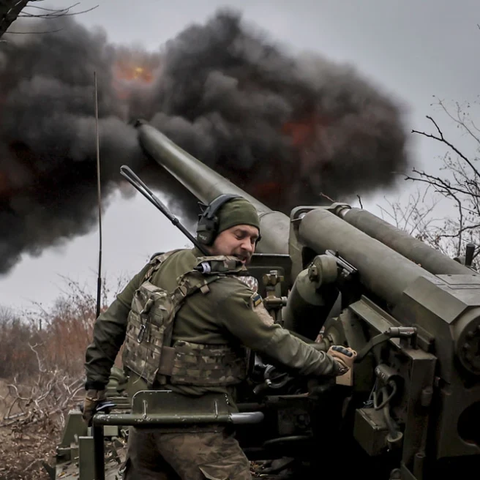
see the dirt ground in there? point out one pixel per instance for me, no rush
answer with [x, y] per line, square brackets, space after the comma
[22, 453]
[23, 448]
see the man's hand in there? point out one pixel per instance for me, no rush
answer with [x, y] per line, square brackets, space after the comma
[92, 399]
[344, 356]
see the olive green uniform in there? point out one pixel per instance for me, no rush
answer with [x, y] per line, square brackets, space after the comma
[226, 315]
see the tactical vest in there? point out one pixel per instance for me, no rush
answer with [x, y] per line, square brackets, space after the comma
[148, 351]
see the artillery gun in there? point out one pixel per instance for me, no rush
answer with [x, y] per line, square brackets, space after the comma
[410, 409]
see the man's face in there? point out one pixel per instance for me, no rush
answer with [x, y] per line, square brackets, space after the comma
[238, 241]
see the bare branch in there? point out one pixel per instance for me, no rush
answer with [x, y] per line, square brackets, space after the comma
[442, 139]
[10, 10]
[438, 182]
[10, 13]
[459, 120]
[461, 230]
[39, 360]
[7, 416]
[54, 13]
[44, 32]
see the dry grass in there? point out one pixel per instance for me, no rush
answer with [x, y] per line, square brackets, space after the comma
[41, 377]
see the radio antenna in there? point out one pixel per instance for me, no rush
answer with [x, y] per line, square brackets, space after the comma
[99, 278]
[134, 180]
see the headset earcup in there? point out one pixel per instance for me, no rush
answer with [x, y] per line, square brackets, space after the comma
[208, 221]
[206, 230]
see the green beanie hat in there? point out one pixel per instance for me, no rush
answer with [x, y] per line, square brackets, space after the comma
[237, 212]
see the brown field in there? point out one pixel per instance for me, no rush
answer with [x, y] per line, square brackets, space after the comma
[41, 378]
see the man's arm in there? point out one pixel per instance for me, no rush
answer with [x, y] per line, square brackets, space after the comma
[109, 335]
[254, 327]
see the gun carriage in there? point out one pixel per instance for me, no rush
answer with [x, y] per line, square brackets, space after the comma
[410, 409]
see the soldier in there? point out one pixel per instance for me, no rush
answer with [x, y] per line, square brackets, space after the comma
[212, 317]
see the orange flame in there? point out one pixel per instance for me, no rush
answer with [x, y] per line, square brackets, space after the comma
[305, 136]
[128, 72]
[132, 70]
[304, 131]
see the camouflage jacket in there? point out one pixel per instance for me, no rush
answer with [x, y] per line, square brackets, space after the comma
[229, 315]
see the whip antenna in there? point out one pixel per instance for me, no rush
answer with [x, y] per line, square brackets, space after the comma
[99, 278]
[135, 181]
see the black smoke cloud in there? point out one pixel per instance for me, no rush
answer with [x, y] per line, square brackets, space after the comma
[288, 130]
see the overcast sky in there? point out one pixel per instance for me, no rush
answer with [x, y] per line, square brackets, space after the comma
[411, 49]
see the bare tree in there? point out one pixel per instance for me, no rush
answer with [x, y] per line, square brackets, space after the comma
[445, 211]
[416, 217]
[10, 10]
[459, 178]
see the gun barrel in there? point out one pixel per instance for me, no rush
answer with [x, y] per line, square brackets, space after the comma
[207, 184]
[382, 270]
[400, 241]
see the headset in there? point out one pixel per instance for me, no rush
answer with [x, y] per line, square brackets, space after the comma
[207, 229]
